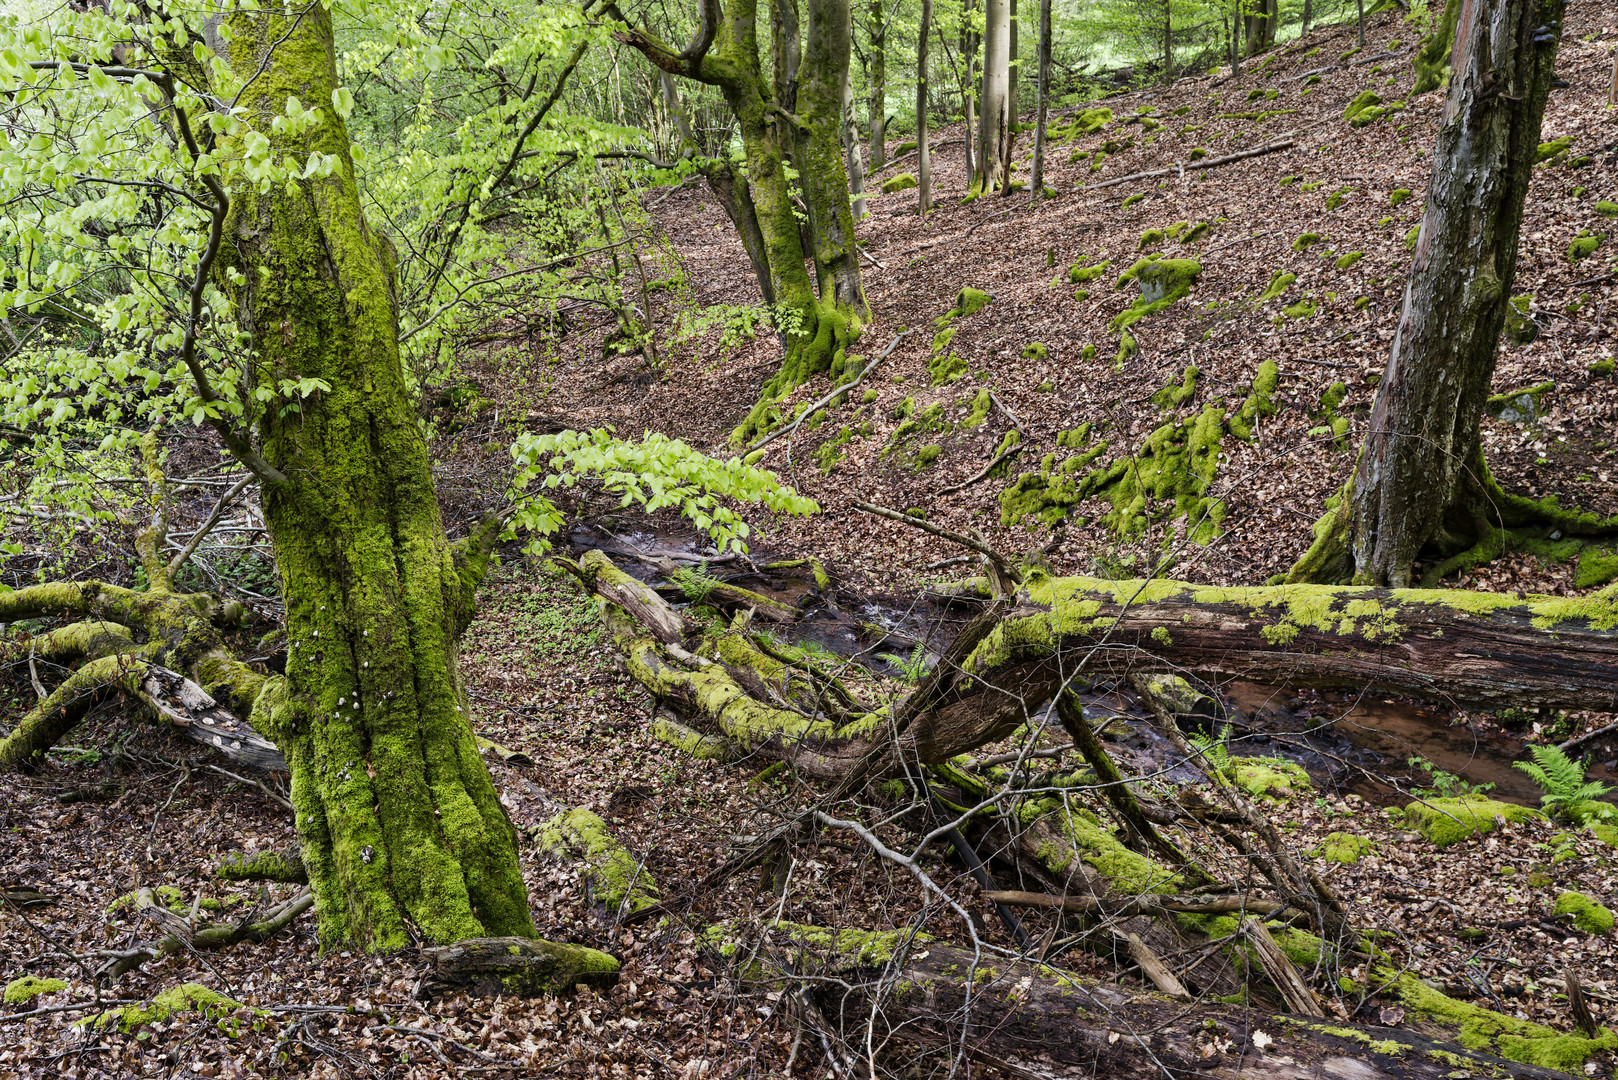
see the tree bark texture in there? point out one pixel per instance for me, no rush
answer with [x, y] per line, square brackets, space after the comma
[993, 164]
[1030, 1021]
[1037, 179]
[1424, 423]
[851, 150]
[398, 818]
[1262, 17]
[828, 38]
[924, 156]
[877, 75]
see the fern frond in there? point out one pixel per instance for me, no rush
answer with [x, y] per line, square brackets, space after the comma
[1560, 777]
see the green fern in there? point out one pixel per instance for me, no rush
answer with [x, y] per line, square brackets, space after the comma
[912, 668]
[1214, 750]
[1560, 778]
[695, 584]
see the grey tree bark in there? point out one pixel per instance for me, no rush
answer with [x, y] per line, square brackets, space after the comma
[994, 126]
[924, 158]
[1037, 180]
[1421, 464]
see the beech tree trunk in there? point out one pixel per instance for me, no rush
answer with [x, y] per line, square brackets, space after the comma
[924, 157]
[851, 150]
[1423, 434]
[993, 164]
[822, 83]
[1262, 16]
[969, 88]
[877, 74]
[1037, 179]
[398, 818]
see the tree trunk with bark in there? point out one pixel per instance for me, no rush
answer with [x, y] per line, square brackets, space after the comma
[397, 816]
[1420, 476]
[822, 85]
[877, 74]
[924, 156]
[1261, 20]
[729, 187]
[993, 160]
[851, 150]
[1037, 178]
[969, 88]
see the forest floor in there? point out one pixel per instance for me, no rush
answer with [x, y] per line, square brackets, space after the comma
[146, 808]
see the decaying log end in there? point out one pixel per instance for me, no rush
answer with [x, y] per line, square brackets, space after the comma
[513, 966]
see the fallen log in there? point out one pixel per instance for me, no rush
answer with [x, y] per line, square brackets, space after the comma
[1033, 1020]
[1471, 649]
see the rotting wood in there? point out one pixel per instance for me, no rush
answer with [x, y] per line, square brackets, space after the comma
[1294, 991]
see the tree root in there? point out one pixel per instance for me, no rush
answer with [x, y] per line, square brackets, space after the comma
[513, 966]
[187, 935]
[619, 882]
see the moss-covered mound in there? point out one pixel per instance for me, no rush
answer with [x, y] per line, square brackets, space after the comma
[1483, 1029]
[1272, 779]
[902, 182]
[1449, 821]
[187, 996]
[1344, 848]
[1588, 915]
[23, 990]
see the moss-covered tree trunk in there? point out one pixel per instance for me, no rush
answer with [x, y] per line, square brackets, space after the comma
[1423, 434]
[993, 164]
[399, 820]
[877, 74]
[819, 157]
[815, 329]
[1262, 17]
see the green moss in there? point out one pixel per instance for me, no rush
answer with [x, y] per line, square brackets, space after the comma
[1270, 779]
[1163, 282]
[1280, 281]
[1365, 100]
[1583, 247]
[1079, 272]
[1198, 153]
[867, 948]
[1588, 915]
[1035, 351]
[1150, 238]
[1483, 1029]
[1350, 259]
[1129, 872]
[1603, 367]
[1449, 821]
[902, 182]
[1412, 235]
[1344, 848]
[617, 879]
[1305, 241]
[1073, 438]
[1196, 232]
[23, 990]
[1335, 199]
[186, 996]
[1607, 834]
[1303, 309]
[1132, 200]
[1596, 567]
[1175, 395]
[1398, 196]
[981, 404]
[926, 455]
[1524, 406]
[1549, 150]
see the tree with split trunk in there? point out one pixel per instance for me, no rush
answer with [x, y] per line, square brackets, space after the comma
[795, 114]
[1261, 20]
[1421, 491]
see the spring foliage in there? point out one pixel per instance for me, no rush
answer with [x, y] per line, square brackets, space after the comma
[656, 473]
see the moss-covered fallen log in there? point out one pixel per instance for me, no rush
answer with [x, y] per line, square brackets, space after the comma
[1038, 1020]
[1483, 650]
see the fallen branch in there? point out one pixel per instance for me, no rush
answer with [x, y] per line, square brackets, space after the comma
[985, 471]
[1205, 163]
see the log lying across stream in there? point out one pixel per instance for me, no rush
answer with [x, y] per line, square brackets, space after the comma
[1460, 648]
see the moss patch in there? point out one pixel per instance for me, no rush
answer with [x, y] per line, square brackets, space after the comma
[186, 996]
[1483, 1029]
[23, 990]
[1449, 821]
[1588, 915]
[1344, 848]
[1270, 779]
[903, 182]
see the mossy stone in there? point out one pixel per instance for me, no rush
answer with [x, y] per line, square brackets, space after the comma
[902, 182]
[1588, 915]
[1350, 259]
[1398, 196]
[1583, 247]
[1270, 779]
[1036, 351]
[1449, 821]
[1305, 240]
